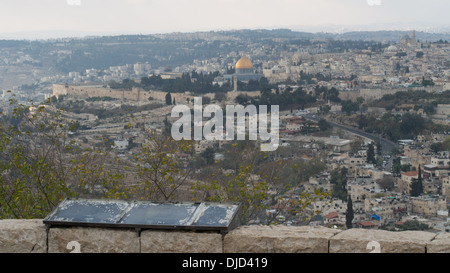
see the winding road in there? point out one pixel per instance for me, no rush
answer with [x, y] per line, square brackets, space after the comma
[386, 145]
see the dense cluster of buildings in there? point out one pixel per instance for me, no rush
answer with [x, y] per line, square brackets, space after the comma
[395, 65]
[381, 198]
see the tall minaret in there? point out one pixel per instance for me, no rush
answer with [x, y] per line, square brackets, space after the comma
[235, 83]
[413, 37]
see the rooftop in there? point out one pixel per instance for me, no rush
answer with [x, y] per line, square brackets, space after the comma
[411, 173]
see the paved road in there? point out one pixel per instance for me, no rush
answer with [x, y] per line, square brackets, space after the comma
[386, 145]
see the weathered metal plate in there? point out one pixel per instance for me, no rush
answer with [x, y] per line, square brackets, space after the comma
[145, 215]
[159, 214]
[89, 211]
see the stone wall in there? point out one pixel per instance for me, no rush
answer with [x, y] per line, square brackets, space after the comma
[370, 95]
[136, 94]
[32, 236]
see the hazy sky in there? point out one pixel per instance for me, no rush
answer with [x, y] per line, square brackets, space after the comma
[160, 16]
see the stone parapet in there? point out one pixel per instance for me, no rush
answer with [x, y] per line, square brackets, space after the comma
[278, 239]
[32, 236]
[92, 240]
[381, 241]
[23, 236]
[180, 242]
[440, 244]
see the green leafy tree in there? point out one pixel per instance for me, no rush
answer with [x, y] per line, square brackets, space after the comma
[396, 165]
[429, 108]
[411, 125]
[325, 109]
[428, 83]
[348, 106]
[242, 99]
[206, 100]
[33, 173]
[414, 225]
[99, 175]
[259, 184]
[323, 125]
[386, 183]
[208, 155]
[436, 147]
[379, 147]
[238, 186]
[441, 146]
[362, 122]
[339, 181]
[220, 96]
[160, 173]
[167, 129]
[356, 145]
[40, 164]
[390, 107]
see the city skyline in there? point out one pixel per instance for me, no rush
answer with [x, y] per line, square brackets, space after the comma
[52, 19]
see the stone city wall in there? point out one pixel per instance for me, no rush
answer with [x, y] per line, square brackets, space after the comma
[136, 94]
[32, 236]
[370, 95]
[88, 91]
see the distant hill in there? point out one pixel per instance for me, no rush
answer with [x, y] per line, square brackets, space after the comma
[391, 36]
[170, 50]
[258, 34]
[380, 36]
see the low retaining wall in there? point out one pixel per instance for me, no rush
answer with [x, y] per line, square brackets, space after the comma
[32, 236]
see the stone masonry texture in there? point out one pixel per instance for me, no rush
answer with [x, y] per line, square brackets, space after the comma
[278, 239]
[93, 240]
[180, 242]
[22, 236]
[32, 236]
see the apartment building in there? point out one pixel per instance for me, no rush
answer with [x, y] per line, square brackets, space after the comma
[428, 206]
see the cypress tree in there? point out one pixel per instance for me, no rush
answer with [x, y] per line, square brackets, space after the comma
[168, 99]
[416, 185]
[419, 182]
[350, 214]
[379, 147]
[371, 154]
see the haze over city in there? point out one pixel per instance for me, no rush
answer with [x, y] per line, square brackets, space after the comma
[26, 19]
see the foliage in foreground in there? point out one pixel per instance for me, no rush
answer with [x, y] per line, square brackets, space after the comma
[41, 164]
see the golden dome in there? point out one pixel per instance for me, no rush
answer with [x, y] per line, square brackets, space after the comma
[244, 63]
